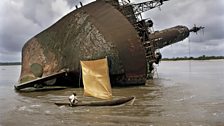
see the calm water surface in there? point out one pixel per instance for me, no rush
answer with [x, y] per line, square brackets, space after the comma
[184, 93]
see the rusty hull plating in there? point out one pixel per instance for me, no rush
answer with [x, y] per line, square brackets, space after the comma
[95, 31]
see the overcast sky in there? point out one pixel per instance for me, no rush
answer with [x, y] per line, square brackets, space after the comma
[20, 20]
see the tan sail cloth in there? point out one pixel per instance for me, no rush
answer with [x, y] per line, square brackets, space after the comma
[96, 80]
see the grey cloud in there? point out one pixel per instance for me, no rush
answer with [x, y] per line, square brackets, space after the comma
[21, 20]
[38, 11]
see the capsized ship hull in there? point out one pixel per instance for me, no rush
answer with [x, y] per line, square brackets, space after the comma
[94, 31]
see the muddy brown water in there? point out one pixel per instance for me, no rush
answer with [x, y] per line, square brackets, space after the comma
[183, 93]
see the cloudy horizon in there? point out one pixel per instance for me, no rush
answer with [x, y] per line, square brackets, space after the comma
[20, 20]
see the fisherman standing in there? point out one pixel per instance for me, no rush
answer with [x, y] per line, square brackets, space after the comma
[73, 99]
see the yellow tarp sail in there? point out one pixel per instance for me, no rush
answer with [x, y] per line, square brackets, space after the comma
[96, 80]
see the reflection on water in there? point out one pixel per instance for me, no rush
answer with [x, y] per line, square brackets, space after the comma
[178, 96]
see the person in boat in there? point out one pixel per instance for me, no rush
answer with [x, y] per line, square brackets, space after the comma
[73, 99]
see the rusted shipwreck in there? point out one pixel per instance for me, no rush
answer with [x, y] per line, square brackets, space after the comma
[104, 28]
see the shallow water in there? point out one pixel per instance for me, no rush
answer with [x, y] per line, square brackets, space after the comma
[182, 93]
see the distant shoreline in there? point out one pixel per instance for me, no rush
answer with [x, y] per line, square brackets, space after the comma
[203, 57]
[194, 58]
[9, 63]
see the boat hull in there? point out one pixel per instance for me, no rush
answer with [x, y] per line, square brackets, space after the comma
[100, 103]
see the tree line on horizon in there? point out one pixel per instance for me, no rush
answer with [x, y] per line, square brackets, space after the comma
[203, 57]
[10, 63]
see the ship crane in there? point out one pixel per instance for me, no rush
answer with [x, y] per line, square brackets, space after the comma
[145, 6]
[133, 10]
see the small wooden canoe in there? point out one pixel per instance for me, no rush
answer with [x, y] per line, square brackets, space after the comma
[100, 103]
